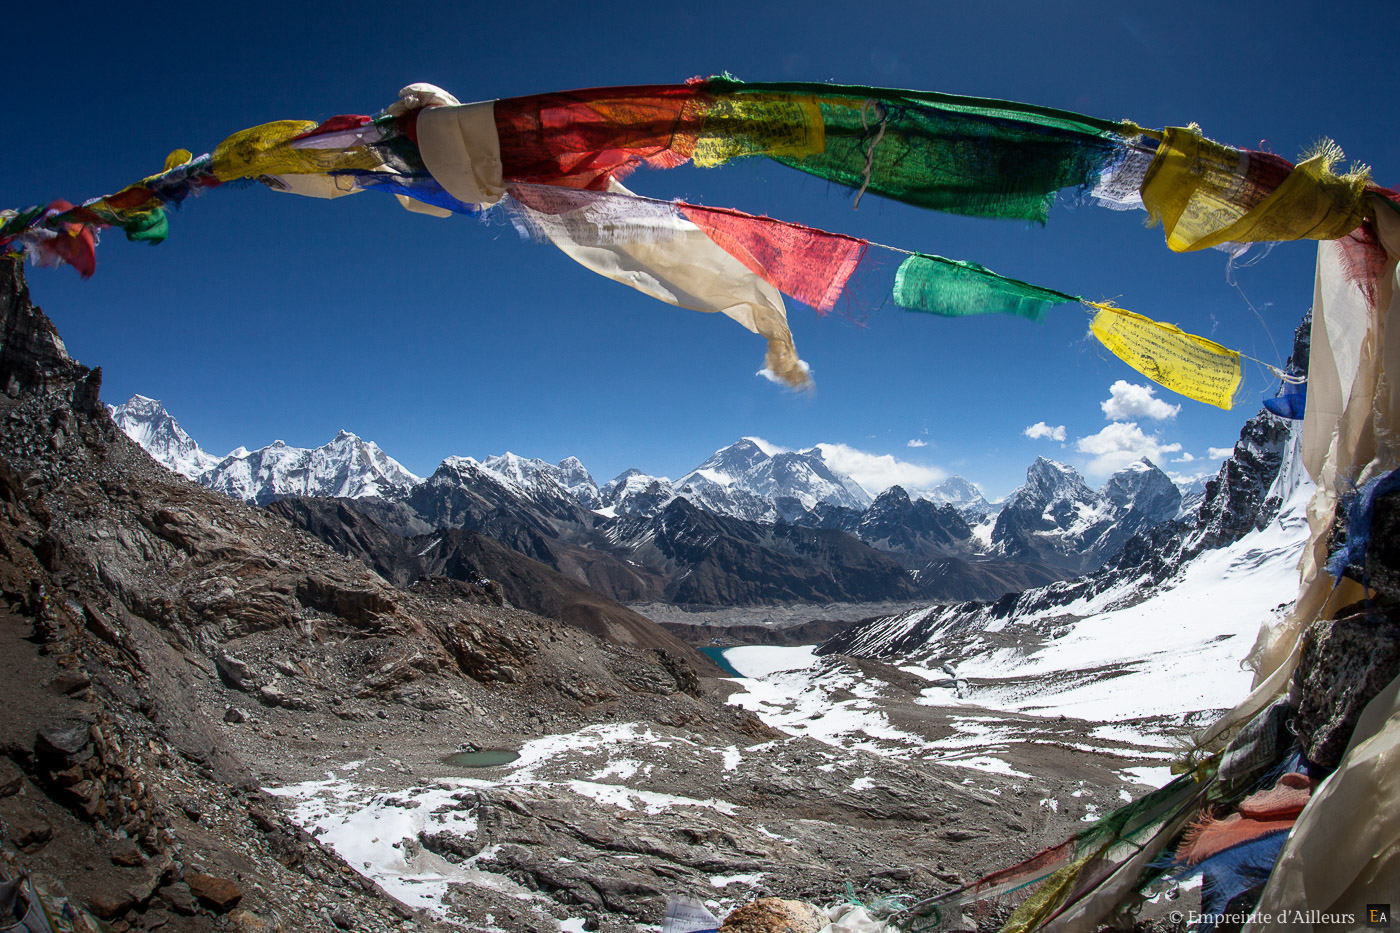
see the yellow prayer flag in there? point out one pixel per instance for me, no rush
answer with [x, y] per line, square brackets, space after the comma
[759, 124]
[177, 158]
[1202, 194]
[267, 150]
[1193, 366]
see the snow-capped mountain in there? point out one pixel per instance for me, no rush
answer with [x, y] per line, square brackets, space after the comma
[462, 479]
[753, 467]
[963, 496]
[1056, 518]
[568, 474]
[1193, 493]
[728, 464]
[635, 493]
[347, 466]
[748, 479]
[1138, 487]
[917, 527]
[146, 422]
[731, 500]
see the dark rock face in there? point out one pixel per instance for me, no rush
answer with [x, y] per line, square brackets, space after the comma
[825, 515]
[1234, 503]
[1345, 663]
[1383, 555]
[461, 495]
[919, 530]
[33, 356]
[661, 548]
[1058, 520]
[1235, 500]
[1147, 496]
[725, 561]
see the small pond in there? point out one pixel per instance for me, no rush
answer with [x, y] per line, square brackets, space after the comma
[485, 758]
[716, 654]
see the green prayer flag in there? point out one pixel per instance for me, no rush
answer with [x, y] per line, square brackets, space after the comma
[150, 226]
[962, 155]
[954, 288]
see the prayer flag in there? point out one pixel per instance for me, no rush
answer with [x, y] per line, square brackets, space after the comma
[1193, 366]
[954, 288]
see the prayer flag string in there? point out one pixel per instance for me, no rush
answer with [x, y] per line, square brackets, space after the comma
[555, 161]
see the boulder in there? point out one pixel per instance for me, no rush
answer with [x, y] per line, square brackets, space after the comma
[218, 894]
[29, 831]
[774, 915]
[11, 777]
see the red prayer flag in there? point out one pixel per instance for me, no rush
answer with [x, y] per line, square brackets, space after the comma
[810, 265]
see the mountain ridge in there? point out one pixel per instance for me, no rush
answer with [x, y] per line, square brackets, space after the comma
[950, 542]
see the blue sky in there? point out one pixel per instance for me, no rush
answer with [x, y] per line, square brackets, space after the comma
[269, 316]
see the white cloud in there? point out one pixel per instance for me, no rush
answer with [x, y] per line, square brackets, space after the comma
[771, 376]
[878, 472]
[1128, 401]
[1219, 453]
[768, 447]
[918, 443]
[1184, 458]
[1118, 445]
[1041, 429]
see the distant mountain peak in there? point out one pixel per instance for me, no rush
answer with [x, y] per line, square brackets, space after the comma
[1050, 479]
[893, 494]
[1057, 518]
[1045, 465]
[750, 467]
[530, 474]
[346, 466]
[961, 495]
[146, 422]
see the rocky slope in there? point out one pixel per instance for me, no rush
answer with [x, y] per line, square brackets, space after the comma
[483, 566]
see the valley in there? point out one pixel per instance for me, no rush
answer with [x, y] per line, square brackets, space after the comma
[240, 697]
